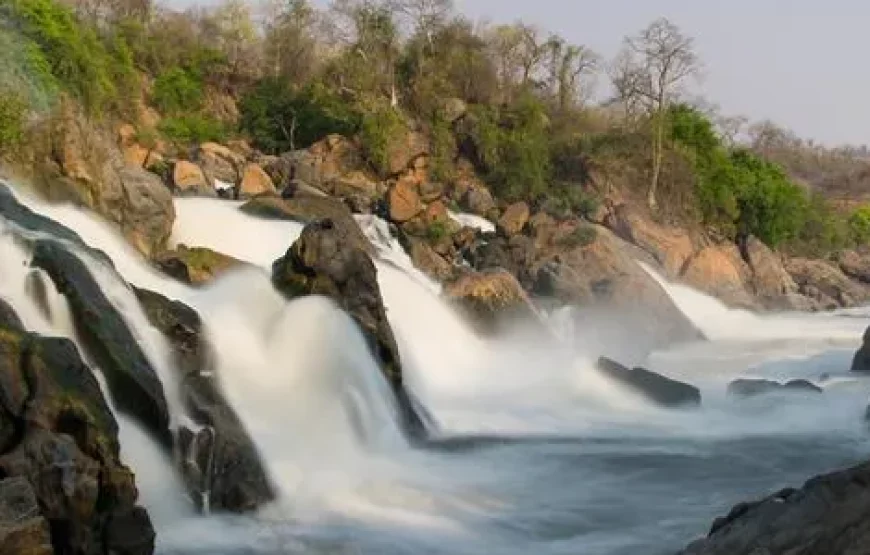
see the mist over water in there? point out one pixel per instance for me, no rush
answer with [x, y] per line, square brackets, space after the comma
[539, 454]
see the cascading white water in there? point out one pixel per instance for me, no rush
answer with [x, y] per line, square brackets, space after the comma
[583, 465]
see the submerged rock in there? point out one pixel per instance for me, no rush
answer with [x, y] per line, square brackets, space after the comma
[829, 515]
[753, 387]
[59, 436]
[861, 361]
[657, 388]
[134, 385]
[195, 265]
[322, 262]
[220, 461]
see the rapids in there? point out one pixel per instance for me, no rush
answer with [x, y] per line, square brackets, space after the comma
[539, 453]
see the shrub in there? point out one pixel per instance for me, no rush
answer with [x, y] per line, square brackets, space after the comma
[583, 236]
[859, 225]
[379, 128]
[177, 91]
[191, 129]
[437, 231]
[279, 118]
[12, 116]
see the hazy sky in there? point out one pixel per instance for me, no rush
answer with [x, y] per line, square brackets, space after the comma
[801, 63]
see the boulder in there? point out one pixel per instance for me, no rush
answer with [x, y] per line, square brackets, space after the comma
[431, 190]
[189, 179]
[770, 282]
[601, 274]
[221, 461]
[195, 265]
[436, 214]
[219, 163]
[826, 284]
[403, 201]
[323, 262]
[828, 515]
[426, 259]
[514, 219]
[861, 361]
[491, 299]
[307, 209]
[64, 453]
[87, 168]
[9, 318]
[23, 531]
[478, 200]
[134, 385]
[745, 387]
[255, 182]
[719, 271]
[655, 387]
[671, 247]
[856, 264]
[404, 148]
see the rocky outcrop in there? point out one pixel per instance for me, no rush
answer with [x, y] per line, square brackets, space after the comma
[307, 209]
[856, 264]
[219, 163]
[829, 515]
[745, 387]
[323, 262]
[219, 460]
[425, 258]
[655, 387]
[403, 201]
[671, 247]
[60, 456]
[255, 182]
[491, 300]
[719, 271]
[826, 284]
[134, 385]
[195, 265]
[189, 179]
[88, 169]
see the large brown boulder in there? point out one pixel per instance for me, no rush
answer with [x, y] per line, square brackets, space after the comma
[514, 219]
[403, 150]
[306, 209]
[856, 264]
[87, 168]
[826, 284]
[189, 179]
[719, 271]
[255, 182]
[426, 259]
[770, 282]
[491, 300]
[195, 265]
[601, 274]
[404, 201]
[671, 247]
[219, 163]
[61, 463]
[323, 262]
[220, 460]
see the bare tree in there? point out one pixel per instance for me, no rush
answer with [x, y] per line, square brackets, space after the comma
[568, 63]
[649, 72]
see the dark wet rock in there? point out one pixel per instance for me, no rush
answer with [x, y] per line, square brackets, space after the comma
[58, 434]
[8, 317]
[827, 516]
[307, 209]
[745, 387]
[23, 531]
[134, 385]
[220, 460]
[660, 389]
[195, 265]
[861, 361]
[322, 262]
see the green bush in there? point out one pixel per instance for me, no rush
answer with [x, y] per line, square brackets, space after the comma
[177, 91]
[192, 129]
[74, 53]
[583, 236]
[12, 116]
[859, 225]
[437, 231]
[279, 118]
[380, 126]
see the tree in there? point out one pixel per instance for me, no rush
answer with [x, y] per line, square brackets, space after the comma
[290, 47]
[649, 73]
[568, 63]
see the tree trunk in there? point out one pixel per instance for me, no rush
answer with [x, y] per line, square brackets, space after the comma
[658, 139]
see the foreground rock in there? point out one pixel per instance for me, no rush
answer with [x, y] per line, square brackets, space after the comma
[861, 361]
[491, 300]
[754, 387]
[323, 262]
[134, 385]
[195, 265]
[305, 209]
[829, 515]
[826, 284]
[655, 387]
[220, 461]
[60, 456]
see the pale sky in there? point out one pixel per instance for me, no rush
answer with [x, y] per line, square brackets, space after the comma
[801, 63]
